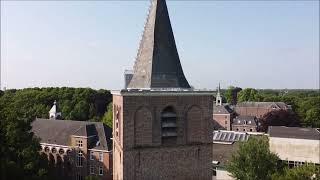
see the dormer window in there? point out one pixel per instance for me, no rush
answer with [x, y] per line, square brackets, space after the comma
[79, 143]
[169, 126]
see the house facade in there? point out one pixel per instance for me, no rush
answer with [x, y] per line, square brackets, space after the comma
[76, 149]
[245, 124]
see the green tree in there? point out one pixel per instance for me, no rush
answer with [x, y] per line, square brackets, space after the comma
[91, 178]
[313, 117]
[108, 116]
[20, 149]
[299, 173]
[253, 160]
[75, 103]
[249, 94]
[229, 94]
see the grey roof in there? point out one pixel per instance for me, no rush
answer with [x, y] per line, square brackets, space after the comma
[280, 105]
[294, 132]
[158, 64]
[223, 152]
[222, 136]
[224, 109]
[59, 132]
[245, 120]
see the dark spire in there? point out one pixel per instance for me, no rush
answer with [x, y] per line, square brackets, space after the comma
[158, 64]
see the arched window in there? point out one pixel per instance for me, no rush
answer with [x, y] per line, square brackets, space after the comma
[61, 151]
[46, 149]
[169, 126]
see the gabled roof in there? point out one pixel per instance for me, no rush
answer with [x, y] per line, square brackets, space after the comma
[158, 64]
[280, 105]
[59, 132]
[223, 109]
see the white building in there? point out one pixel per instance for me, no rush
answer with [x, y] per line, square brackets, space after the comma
[295, 145]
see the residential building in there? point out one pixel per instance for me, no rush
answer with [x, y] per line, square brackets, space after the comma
[245, 124]
[162, 127]
[295, 145]
[222, 116]
[77, 148]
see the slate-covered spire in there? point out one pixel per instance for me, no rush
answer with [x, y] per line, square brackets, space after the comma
[158, 64]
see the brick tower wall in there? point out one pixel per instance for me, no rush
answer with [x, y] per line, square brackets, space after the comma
[139, 153]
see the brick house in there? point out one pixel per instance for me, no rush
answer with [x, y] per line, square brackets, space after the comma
[222, 113]
[245, 124]
[162, 127]
[76, 148]
[222, 117]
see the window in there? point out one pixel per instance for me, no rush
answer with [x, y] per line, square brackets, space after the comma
[237, 129]
[100, 170]
[79, 143]
[117, 115]
[80, 159]
[101, 157]
[91, 169]
[61, 151]
[91, 155]
[169, 126]
[226, 122]
[226, 117]
[250, 130]
[46, 149]
[244, 130]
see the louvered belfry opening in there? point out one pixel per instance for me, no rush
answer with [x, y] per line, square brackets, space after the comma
[169, 126]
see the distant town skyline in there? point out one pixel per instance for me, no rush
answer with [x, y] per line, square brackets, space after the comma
[256, 44]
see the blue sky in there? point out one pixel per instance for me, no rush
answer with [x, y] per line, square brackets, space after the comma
[255, 44]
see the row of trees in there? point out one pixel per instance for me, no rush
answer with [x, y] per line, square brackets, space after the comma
[305, 103]
[74, 103]
[254, 161]
[20, 158]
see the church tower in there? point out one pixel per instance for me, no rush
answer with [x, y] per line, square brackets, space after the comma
[54, 111]
[162, 128]
[219, 97]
